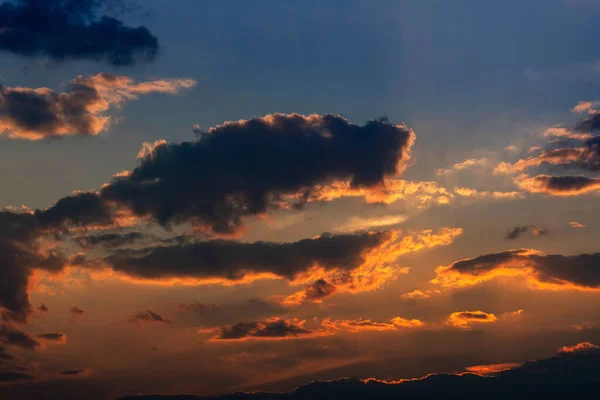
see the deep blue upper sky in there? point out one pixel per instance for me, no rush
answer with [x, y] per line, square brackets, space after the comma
[463, 74]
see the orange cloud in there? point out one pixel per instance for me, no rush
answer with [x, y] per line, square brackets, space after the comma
[378, 266]
[362, 325]
[472, 162]
[583, 346]
[491, 369]
[270, 329]
[543, 272]
[464, 319]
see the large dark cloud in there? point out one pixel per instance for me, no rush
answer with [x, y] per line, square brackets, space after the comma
[246, 168]
[72, 29]
[577, 271]
[563, 376]
[233, 260]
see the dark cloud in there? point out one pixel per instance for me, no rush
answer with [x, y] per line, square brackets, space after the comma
[559, 185]
[577, 271]
[80, 209]
[75, 372]
[318, 290]
[270, 329]
[43, 308]
[233, 260]
[246, 168]
[11, 335]
[147, 316]
[558, 377]
[110, 240]
[20, 253]
[590, 124]
[42, 113]
[11, 370]
[76, 310]
[53, 337]
[72, 29]
[519, 231]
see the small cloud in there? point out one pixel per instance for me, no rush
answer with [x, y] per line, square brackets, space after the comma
[148, 316]
[43, 308]
[53, 337]
[77, 372]
[576, 225]
[491, 369]
[76, 310]
[359, 224]
[464, 319]
[583, 346]
[519, 231]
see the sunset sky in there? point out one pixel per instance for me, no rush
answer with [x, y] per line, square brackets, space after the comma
[211, 196]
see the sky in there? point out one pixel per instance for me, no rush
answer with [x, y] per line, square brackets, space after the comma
[212, 196]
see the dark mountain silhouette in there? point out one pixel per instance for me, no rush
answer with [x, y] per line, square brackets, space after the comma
[574, 374]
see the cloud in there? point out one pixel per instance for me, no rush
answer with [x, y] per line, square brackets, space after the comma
[226, 260]
[53, 337]
[76, 310]
[576, 225]
[21, 252]
[464, 319]
[492, 369]
[474, 193]
[249, 167]
[352, 263]
[43, 308]
[559, 185]
[76, 32]
[551, 272]
[11, 370]
[579, 347]
[519, 231]
[77, 372]
[561, 132]
[147, 316]
[11, 335]
[271, 329]
[361, 325]
[314, 292]
[589, 124]
[42, 113]
[377, 267]
[470, 163]
[360, 223]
